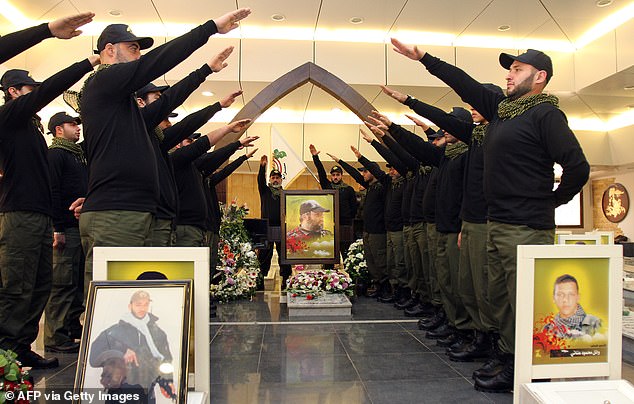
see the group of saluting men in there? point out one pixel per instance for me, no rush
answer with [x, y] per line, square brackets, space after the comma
[441, 228]
[440, 231]
[135, 180]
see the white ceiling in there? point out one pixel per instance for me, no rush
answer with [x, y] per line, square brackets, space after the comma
[589, 82]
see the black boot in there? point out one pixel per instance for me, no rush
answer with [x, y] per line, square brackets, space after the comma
[442, 331]
[433, 322]
[495, 364]
[387, 293]
[406, 298]
[479, 349]
[500, 383]
[420, 310]
[406, 304]
[465, 338]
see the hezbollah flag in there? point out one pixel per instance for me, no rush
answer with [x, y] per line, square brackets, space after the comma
[284, 159]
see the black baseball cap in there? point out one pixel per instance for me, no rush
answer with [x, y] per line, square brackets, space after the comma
[275, 172]
[194, 136]
[388, 165]
[116, 33]
[61, 118]
[336, 169]
[362, 169]
[535, 58]
[15, 78]
[461, 114]
[435, 135]
[150, 88]
[311, 206]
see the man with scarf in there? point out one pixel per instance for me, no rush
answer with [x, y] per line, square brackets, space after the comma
[142, 342]
[527, 134]
[26, 231]
[473, 276]
[347, 197]
[376, 182]
[397, 270]
[69, 181]
[450, 163]
[571, 322]
[270, 207]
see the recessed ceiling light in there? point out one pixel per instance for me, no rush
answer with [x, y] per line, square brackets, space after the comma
[631, 87]
[504, 27]
[356, 20]
[603, 3]
[115, 13]
[207, 93]
[278, 17]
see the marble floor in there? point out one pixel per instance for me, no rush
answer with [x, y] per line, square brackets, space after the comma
[259, 355]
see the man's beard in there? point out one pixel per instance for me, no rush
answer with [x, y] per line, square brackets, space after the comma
[521, 89]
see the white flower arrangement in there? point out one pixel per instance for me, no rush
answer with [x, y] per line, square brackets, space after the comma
[238, 266]
[314, 283]
[355, 264]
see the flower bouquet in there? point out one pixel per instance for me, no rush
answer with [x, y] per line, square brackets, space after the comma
[13, 379]
[355, 264]
[238, 265]
[314, 283]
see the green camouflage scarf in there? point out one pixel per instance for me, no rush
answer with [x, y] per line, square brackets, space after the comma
[338, 186]
[158, 132]
[508, 109]
[424, 170]
[477, 136]
[456, 149]
[69, 146]
[397, 182]
[275, 191]
[73, 98]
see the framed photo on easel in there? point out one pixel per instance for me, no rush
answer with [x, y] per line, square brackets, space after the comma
[135, 342]
[310, 227]
[569, 324]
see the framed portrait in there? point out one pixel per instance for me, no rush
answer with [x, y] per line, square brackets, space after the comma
[173, 263]
[580, 239]
[135, 342]
[568, 324]
[310, 224]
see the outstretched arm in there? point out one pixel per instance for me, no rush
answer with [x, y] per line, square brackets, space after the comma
[321, 172]
[471, 91]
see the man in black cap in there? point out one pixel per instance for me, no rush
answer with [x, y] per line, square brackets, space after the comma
[374, 235]
[347, 197]
[26, 230]
[69, 181]
[63, 28]
[310, 229]
[156, 103]
[518, 181]
[123, 187]
[270, 208]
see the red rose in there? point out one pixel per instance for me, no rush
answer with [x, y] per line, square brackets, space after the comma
[309, 297]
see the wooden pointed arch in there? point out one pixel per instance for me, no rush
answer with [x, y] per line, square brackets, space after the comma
[308, 72]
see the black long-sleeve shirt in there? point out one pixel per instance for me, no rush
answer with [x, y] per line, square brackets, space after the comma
[25, 184]
[17, 42]
[394, 197]
[449, 177]
[474, 206]
[374, 204]
[347, 195]
[269, 203]
[519, 154]
[69, 181]
[122, 164]
[411, 178]
[155, 113]
[215, 179]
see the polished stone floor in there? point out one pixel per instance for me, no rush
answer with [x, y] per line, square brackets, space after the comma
[259, 355]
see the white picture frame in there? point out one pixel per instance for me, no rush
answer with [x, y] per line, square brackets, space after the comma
[578, 239]
[607, 237]
[103, 257]
[525, 369]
